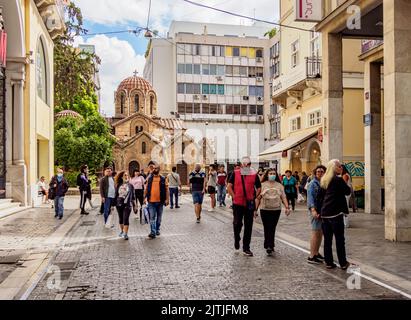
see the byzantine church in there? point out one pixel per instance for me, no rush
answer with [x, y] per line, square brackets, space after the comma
[142, 136]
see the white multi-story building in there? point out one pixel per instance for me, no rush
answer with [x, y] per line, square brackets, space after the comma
[217, 79]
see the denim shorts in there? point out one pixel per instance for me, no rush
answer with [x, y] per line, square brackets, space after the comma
[198, 197]
[316, 224]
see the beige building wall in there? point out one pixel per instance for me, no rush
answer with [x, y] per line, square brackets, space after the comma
[39, 120]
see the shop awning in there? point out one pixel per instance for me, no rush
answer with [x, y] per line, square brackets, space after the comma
[287, 144]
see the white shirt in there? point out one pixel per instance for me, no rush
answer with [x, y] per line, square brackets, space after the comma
[111, 189]
[42, 185]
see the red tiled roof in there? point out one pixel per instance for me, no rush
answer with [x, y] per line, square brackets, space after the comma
[135, 82]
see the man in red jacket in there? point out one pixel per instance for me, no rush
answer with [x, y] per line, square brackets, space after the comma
[244, 186]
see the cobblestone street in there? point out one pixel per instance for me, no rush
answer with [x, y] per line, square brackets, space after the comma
[188, 261]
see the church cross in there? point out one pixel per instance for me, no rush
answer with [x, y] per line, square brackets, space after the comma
[135, 73]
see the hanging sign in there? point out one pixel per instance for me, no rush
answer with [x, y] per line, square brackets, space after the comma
[309, 10]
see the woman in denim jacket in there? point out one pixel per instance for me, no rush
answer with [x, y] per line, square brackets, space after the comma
[314, 208]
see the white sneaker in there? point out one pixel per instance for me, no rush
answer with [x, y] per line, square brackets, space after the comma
[211, 210]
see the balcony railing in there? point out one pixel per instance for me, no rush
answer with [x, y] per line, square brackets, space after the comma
[367, 45]
[313, 67]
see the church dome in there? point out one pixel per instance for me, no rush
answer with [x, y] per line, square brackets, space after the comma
[133, 83]
[68, 114]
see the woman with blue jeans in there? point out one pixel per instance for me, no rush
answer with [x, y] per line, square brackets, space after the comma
[314, 210]
[58, 190]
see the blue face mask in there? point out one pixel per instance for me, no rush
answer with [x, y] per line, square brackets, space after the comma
[272, 178]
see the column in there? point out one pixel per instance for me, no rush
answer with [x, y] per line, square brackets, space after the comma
[397, 119]
[18, 123]
[333, 97]
[372, 138]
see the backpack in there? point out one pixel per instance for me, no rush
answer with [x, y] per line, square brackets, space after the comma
[271, 199]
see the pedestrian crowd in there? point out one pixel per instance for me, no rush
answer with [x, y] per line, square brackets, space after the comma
[327, 191]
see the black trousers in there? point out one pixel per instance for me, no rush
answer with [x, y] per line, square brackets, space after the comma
[140, 196]
[270, 220]
[83, 199]
[242, 213]
[124, 215]
[334, 227]
[291, 198]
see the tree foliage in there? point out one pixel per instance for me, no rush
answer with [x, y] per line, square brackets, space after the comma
[271, 33]
[78, 141]
[74, 69]
[88, 143]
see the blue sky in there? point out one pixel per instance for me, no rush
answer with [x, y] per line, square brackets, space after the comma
[121, 54]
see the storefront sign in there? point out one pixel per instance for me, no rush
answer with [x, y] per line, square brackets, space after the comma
[309, 10]
[3, 48]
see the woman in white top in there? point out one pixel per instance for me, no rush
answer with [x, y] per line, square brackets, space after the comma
[269, 202]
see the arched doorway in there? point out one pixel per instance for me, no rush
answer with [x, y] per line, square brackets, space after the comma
[313, 156]
[182, 170]
[134, 165]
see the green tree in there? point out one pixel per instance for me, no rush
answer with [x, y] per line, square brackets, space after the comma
[271, 33]
[74, 70]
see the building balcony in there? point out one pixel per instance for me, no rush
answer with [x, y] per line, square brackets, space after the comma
[302, 77]
[52, 12]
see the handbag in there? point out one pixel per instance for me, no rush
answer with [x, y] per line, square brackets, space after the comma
[102, 208]
[250, 203]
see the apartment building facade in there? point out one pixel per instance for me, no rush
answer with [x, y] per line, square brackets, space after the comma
[216, 79]
[384, 28]
[297, 96]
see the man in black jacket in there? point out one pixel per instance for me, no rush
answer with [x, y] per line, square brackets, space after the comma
[84, 186]
[57, 192]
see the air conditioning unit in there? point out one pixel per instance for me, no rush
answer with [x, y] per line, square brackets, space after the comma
[196, 97]
[219, 78]
[204, 97]
[259, 59]
[260, 98]
[259, 79]
[260, 118]
[246, 98]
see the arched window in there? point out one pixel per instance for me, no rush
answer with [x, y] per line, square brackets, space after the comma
[41, 72]
[136, 103]
[151, 104]
[137, 130]
[122, 102]
[143, 148]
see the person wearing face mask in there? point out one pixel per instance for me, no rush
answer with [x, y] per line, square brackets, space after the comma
[157, 195]
[84, 185]
[269, 202]
[58, 189]
[124, 202]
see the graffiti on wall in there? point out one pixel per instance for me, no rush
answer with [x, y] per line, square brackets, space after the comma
[356, 169]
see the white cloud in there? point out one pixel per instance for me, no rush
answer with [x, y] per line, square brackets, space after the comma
[135, 12]
[119, 61]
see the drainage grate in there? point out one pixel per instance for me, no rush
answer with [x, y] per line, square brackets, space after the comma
[87, 223]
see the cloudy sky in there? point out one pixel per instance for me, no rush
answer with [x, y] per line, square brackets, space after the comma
[123, 53]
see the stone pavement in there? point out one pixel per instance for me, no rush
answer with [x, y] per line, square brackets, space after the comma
[27, 239]
[188, 261]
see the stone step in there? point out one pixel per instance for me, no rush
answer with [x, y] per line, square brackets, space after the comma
[8, 208]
